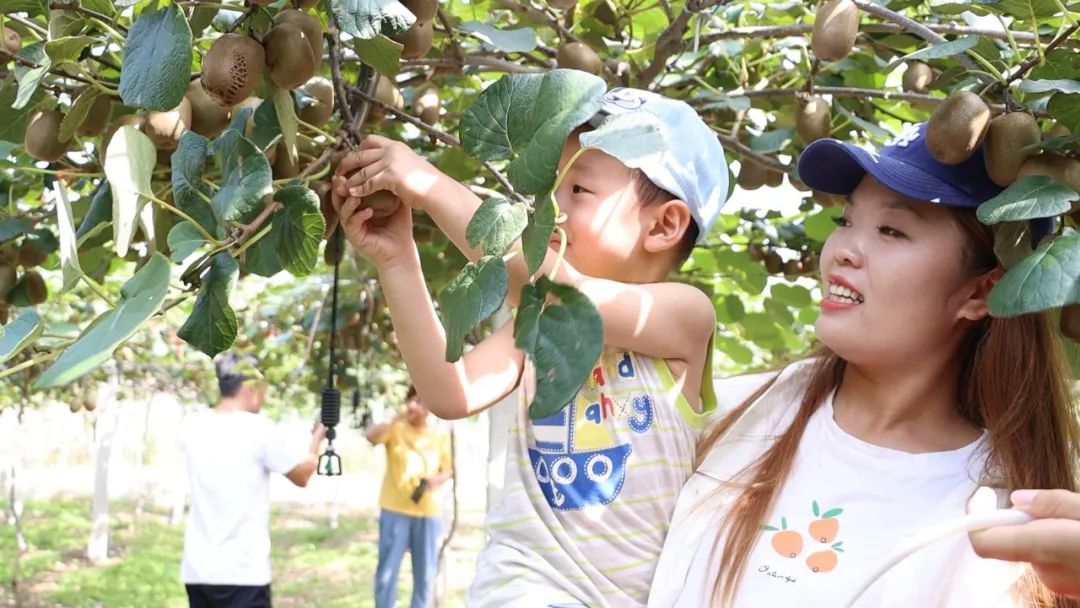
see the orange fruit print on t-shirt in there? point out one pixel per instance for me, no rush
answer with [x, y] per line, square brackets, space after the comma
[787, 543]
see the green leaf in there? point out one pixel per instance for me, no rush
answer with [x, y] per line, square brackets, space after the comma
[298, 227]
[184, 240]
[239, 119]
[1056, 143]
[129, 165]
[783, 523]
[521, 40]
[34, 7]
[795, 296]
[245, 178]
[1024, 9]
[157, 60]
[30, 77]
[820, 225]
[105, 7]
[1066, 110]
[212, 328]
[537, 235]
[1045, 279]
[287, 122]
[1027, 198]
[14, 227]
[527, 321]
[471, 297]
[1050, 86]
[1012, 243]
[1059, 64]
[831, 513]
[188, 164]
[262, 258]
[76, 115]
[369, 18]
[496, 224]
[530, 116]
[734, 308]
[13, 120]
[938, 51]
[69, 244]
[99, 215]
[140, 298]
[569, 341]
[265, 129]
[68, 48]
[772, 141]
[20, 332]
[817, 510]
[381, 53]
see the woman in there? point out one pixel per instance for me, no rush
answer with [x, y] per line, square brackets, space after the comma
[917, 398]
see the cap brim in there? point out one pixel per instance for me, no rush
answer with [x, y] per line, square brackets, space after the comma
[836, 167]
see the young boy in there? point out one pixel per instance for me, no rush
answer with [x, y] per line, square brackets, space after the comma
[590, 490]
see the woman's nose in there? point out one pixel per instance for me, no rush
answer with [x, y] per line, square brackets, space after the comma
[847, 251]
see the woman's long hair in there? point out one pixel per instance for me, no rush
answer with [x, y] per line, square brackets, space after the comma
[1014, 382]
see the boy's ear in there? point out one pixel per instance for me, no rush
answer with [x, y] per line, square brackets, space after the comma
[666, 224]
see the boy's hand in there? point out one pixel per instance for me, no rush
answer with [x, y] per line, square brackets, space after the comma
[385, 241]
[384, 164]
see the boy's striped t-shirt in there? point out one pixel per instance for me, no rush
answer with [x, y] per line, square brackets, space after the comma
[589, 491]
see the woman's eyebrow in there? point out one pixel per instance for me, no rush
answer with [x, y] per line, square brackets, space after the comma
[909, 207]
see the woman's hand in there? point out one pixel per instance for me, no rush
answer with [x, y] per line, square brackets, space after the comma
[384, 241]
[1051, 543]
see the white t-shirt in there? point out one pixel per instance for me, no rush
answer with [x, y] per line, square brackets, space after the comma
[845, 507]
[229, 458]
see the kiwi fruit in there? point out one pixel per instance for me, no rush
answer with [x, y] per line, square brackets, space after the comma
[309, 3]
[89, 404]
[417, 40]
[757, 252]
[383, 202]
[207, 117]
[809, 262]
[311, 27]
[813, 119]
[425, 10]
[792, 268]
[1006, 140]
[97, 118]
[774, 264]
[284, 167]
[11, 39]
[326, 206]
[1070, 322]
[289, 59]
[426, 104]
[1059, 168]
[232, 69]
[957, 127]
[165, 128]
[318, 114]
[30, 255]
[773, 178]
[561, 4]
[578, 56]
[751, 175]
[835, 28]
[605, 12]
[387, 92]
[5, 316]
[74, 405]
[8, 277]
[43, 136]
[917, 77]
[36, 290]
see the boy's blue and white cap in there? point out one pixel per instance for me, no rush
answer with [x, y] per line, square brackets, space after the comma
[691, 164]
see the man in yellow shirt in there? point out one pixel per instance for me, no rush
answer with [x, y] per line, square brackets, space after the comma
[418, 462]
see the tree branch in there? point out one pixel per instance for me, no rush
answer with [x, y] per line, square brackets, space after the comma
[743, 150]
[669, 42]
[29, 24]
[332, 40]
[57, 6]
[801, 29]
[17, 59]
[491, 63]
[840, 92]
[1036, 58]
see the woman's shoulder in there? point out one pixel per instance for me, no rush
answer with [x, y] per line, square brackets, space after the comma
[732, 391]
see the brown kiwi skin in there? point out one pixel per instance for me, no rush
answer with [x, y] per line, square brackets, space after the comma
[8, 277]
[773, 178]
[207, 117]
[36, 290]
[813, 119]
[323, 90]
[311, 27]
[10, 39]
[417, 40]
[289, 60]
[774, 264]
[232, 69]
[326, 205]
[42, 136]
[579, 56]
[383, 202]
[1004, 148]
[97, 118]
[284, 168]
[166, 128]
[918, 77]
[425, 10]
[30, 256]
[835, 28]
[426, 104]
[1059, 168]
[751, 175]
[957, 127]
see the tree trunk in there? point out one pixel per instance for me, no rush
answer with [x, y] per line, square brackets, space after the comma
[97, 550]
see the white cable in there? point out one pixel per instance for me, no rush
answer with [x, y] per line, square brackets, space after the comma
[968, 523]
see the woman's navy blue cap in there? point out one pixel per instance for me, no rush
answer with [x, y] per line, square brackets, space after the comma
[904, 165]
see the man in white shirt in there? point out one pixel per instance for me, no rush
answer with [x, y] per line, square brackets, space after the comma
[230, 453]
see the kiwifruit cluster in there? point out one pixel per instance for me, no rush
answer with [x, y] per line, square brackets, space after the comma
[774, 264]
[753, 175]
[579, 56]
[836, 25]
[26, 289]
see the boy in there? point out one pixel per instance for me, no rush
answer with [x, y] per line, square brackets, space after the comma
[590, 490]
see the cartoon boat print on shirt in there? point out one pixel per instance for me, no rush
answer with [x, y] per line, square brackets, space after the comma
[577, 459]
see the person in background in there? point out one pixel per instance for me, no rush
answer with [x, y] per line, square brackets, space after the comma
[418, 463]
[230, 453]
